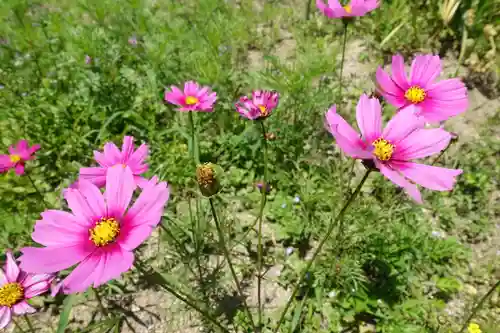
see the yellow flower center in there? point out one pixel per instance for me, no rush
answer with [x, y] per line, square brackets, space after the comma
[348, 9]
[191, 100]
[104, 232]
[383, 149]
[415, 94]
[205, 174]
[14, 158]
[263, 110]
[11, 294]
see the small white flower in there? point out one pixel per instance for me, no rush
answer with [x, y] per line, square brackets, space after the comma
[296, 199]
[289, 251]
[332, 294]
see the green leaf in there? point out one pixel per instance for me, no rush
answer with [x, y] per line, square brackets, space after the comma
[64, 318]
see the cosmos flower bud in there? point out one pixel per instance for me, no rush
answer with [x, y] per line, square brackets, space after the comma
[261, 187]
[208, 176]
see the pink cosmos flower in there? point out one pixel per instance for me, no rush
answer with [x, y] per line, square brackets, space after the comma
[100, 233]
[18, 155]
[392, 149]
[112, 156]
[16, 287]
[194, 97]
[261, 105]
[435, 101]
[356, 8]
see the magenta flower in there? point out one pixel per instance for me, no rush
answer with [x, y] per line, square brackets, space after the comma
[392, 150]
[16, 287]
[100, 233]
[18, 155]
[112, 156]
[356, 8]
[435, 101]
[194, 97]
[261, 105]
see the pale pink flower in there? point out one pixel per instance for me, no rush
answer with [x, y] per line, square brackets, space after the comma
[18, 155]
[261, 105]
[100, 233]
[435, 101]
[392, 149]
[355, 8]
[16, 286]
[112, 156]
[193, 98]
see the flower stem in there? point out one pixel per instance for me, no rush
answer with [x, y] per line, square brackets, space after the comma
[308, 9]
[263, 202]
[185, 299]
[99, 301]
[346, 24]
[30, 325]
[194, 140]
[479, 305]
[339, 218]
[230, 264]
[38, 191]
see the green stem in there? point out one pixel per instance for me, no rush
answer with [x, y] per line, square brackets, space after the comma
[230, 264]
[263, 202]
[194, 140]
[18, 326]
[183, 298]
[30, 325]
[99, 301]
[479, 305]
[339, 219]
[308, 9]
[38, 191]
[346, 24]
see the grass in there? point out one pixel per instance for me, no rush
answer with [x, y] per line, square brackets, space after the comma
[392, 274]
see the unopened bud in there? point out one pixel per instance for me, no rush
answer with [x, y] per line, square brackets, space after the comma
[207, 176]
[261, 187]
[270, 136]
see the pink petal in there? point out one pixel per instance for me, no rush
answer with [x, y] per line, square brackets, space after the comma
[19, 169]
[32, 279]
[425, 69]
[389, 89]
[176, 96]
[120, 187]
[94, 198]
[369, 118]
[50, 232]
[103, 160]
[34, 149]
[22, 308]
[334, 4]
[445, 99]
[432, 177]
[22, 148]
[11, 269]
[83, 275]
[148, 208]
[422, 143]
[133, 236]
[5, 163]
[36, 289]
[136, 160]
[5, 316]
[3, 278]
[401, 125]
[395, 177]
[117, 261]
[83, 212]
[399, 72]
[112, 153]
[96, 176]
[127, 148]
[345, 136]
[53, 259]
[141, 181]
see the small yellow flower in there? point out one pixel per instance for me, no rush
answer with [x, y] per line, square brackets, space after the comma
[474, 328]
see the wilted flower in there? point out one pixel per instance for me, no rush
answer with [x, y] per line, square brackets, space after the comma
[208, 178]
[132, 40]
[18, 155]
[260, 186]
[435, 101]
[88, 59]
[100, 233]
[333, 9]
[261, 105]
[393, 149]
[16, 287]
[111, 156]
[193, 98]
